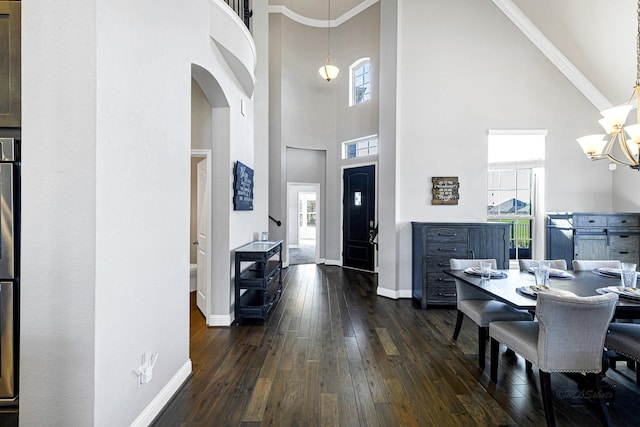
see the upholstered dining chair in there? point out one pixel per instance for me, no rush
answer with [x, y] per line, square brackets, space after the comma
[624, 339]
[480, 307]
[569, 336]
[526, 264]
[582, 265]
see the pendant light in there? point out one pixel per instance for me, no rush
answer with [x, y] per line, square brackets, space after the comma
[329, 71]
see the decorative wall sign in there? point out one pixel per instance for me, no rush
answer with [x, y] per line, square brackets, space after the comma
[445, 190]
[242, 187]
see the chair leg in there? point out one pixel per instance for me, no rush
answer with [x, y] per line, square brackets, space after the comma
[602, 404]
[482, 344]
[495, 347]
[459, 320]
[528, 366]
[547, 398]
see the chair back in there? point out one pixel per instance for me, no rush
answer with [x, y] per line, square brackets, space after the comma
[461, 264]
[572, 331]
[466, 292]
[526, 264]
[582, 265]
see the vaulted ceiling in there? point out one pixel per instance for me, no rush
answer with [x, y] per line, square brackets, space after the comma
[597, 37]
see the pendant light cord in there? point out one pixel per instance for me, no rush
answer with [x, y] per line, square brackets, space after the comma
[329, 27]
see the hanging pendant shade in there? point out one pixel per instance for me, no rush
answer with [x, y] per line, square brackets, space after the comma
[329, 70]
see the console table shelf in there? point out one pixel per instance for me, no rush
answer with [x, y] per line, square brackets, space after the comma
[258, 279]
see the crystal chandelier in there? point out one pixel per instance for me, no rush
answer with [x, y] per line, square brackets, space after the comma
[625, 138]
[329, 71]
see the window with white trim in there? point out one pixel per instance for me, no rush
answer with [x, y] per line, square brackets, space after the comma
[360, 81]
[515, 167]
[360, 147]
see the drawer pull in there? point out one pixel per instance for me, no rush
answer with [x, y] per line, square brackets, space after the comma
[447, 235]
[591, 220]
[623, 252]
[443, 264]
[440, 279]
[446, 294]
[447, 250]
[623, 237]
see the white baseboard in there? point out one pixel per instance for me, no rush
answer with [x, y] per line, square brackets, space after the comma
[147, 416]
[333, 262]
[220, 320]
[388, 293]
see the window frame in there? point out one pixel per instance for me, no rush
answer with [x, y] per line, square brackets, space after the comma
[352, 80]
[535, 217]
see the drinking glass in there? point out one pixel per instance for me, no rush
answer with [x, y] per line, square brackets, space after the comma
[485, 270]
[541, 273]
[628, 275]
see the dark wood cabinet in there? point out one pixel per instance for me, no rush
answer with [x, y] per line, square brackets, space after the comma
[10, 95]
[593, 236]
[434, 244]
[258, 280]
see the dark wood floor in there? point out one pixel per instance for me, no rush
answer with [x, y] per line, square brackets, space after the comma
[335, 354]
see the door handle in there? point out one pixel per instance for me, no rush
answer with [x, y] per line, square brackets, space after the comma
[195, 242]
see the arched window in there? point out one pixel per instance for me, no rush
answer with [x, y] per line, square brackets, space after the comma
[360, 79]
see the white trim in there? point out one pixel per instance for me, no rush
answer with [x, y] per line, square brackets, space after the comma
[517, 132]
[336, 262]
[387, 293]
[322, 23]
[158, 403]
[554, 55]
[220, 320]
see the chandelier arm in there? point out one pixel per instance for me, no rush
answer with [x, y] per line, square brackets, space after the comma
[625, 149]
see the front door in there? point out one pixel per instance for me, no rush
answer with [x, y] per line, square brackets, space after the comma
[359, 217]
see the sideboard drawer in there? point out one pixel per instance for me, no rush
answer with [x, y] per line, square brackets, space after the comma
[447, 234]
[622, 220]
[433, 263]
[445, 295]
[447, 249]
[589, 220]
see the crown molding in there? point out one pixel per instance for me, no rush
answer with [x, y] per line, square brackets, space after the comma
[322, 23]
[554, 55]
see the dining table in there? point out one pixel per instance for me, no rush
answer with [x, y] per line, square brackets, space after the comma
[508, 287]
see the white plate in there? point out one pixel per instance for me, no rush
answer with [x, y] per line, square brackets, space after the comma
[633, 293]
[555, 272]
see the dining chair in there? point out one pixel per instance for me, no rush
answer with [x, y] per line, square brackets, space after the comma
[569, 336]
[582, 265]
[624, 340]
[480, 307]
[526, 264]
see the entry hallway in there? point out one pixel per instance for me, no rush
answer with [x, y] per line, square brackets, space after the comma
[335, 354]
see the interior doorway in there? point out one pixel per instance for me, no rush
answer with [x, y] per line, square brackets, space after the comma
[303, 223]
[200, 228]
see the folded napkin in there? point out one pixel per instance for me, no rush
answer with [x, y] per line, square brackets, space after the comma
[533, 291]
[475, 271]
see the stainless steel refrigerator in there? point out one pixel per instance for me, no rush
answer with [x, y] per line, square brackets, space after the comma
[9, 267]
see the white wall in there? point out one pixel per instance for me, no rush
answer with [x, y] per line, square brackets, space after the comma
[464, 68]
[106, 154]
